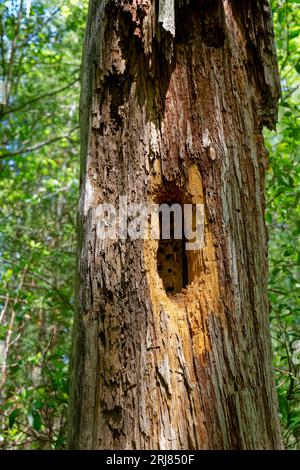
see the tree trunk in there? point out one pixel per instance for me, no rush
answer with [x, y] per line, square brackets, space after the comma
[174, 99]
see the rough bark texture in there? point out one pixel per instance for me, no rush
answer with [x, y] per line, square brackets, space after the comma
[179, 115]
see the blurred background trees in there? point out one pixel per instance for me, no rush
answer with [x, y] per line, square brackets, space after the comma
[283, 219]
[40, 56]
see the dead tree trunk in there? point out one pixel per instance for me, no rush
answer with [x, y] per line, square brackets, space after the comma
[174, 99]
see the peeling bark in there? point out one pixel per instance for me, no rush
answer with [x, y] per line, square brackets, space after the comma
[178, 115]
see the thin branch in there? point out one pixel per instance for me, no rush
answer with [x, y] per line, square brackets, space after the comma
[32, 433]
[285, 372]
[13, 50]
[45, 95]
[278, 291]
[40, 145]
[282, 382]
[49, 345]
[42, 278]
[8, 341]
[11, 299]
[41, 26]
[6, 298]
[2, 49]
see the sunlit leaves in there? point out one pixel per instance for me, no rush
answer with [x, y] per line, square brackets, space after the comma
[38, 192]
[283, 216]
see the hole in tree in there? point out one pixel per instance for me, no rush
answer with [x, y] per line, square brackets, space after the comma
[172, 263]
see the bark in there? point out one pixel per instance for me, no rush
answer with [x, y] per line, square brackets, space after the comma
[175, 111]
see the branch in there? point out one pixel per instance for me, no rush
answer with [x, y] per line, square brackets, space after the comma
[11, 299]
[13, 50]
[42, 278]
[21, 151]
[45, 95]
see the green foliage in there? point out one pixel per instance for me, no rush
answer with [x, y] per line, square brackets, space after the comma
[40, 56]
[40, 60]
[283, 218]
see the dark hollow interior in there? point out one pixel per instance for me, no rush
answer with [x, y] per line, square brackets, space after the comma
[172, 263]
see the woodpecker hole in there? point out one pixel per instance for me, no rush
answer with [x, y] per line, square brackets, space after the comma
[172, 265]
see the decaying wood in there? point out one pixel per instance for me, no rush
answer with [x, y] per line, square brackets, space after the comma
[175, 113]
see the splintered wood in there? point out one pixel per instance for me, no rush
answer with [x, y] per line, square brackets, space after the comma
[175, 119]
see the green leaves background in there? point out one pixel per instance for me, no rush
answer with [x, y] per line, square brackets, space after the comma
[40, 56]
[283, 219]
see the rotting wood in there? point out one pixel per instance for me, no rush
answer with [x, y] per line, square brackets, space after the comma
[190, 371]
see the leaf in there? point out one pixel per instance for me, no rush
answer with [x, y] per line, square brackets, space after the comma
[34, 419]
[12, 418]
